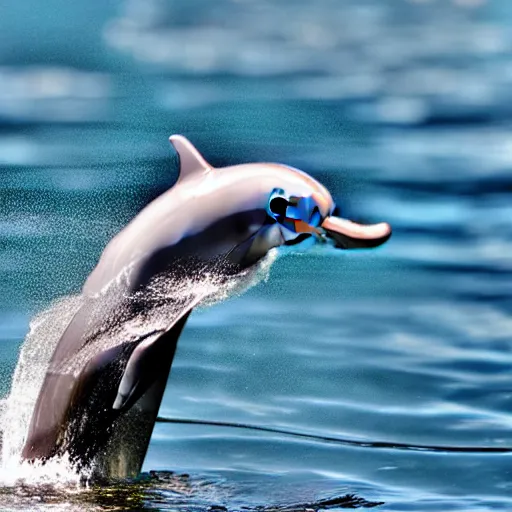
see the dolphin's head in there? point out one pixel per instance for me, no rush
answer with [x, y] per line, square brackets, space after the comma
[300, 207]
[284, 205]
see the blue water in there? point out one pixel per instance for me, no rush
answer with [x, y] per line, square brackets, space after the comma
[393, 363]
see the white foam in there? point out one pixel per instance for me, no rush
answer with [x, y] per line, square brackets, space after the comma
[203, 288]
[44, 333]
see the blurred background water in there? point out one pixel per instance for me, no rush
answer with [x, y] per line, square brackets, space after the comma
[403, 110]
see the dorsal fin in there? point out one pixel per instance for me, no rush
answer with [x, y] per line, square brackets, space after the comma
[191, 161]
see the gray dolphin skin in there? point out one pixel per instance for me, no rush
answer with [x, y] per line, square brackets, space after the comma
[105, 381]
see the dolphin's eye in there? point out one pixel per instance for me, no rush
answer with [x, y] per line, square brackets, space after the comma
[278, 206]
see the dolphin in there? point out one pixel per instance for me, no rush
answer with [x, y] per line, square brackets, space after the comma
[102, 390]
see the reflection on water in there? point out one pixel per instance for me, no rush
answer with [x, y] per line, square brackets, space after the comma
[163, 490]
[401, 108]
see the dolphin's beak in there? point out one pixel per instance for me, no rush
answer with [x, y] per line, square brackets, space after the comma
[350, 235]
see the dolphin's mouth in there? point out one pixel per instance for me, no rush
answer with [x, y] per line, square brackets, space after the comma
[299, 218]
[351, 235]
[344, 233]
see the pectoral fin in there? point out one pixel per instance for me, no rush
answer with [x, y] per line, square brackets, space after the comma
[150, 361]
[137, 366]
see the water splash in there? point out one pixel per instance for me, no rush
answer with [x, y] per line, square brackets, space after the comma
[165, 297]
[238, 285]
[44, 333]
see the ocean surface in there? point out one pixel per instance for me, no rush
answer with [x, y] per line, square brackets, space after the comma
[346, 379]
